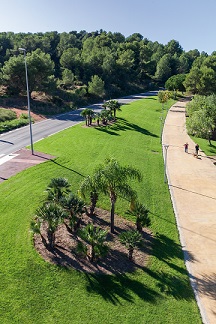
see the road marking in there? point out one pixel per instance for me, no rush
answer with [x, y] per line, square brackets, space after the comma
[5, 158]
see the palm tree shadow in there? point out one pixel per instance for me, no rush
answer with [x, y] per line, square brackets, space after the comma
[166, 249]
[171, 285]
[107, 129]
[207, 285]
[123, 125]
[116, 288]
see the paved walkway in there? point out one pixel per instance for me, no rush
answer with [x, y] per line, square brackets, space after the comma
[192, 184]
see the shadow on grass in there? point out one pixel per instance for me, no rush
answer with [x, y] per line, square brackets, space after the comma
[123, 125]
[121, 286]
[175, 286]
[115, 288]
[167, 250]
[63, 166]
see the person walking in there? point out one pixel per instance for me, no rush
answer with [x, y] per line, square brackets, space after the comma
[197, 149]
[186, 147]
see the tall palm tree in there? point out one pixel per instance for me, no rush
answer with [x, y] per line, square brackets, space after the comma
[113, 181]
[57, 188]
[90, 186]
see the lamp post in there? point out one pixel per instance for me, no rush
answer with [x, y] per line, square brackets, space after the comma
[161, 128]
[166, 146]
[28, 98]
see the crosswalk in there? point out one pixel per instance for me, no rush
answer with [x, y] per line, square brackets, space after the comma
[4, 158]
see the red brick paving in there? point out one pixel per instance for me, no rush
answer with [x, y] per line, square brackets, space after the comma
[22, 161]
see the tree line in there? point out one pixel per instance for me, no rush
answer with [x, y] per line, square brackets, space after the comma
[101, 64]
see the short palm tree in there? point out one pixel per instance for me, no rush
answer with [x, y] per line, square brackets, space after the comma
[105, 116]
[84, 113]
[113, 105]
[75, 207]
[96, 238]
[130, 239]
[142, 215]
[90, 186]
[53, 215]
[57, 188]
[88, 114]
[113, 181]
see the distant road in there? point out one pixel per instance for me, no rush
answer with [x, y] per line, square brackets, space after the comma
[17, 139]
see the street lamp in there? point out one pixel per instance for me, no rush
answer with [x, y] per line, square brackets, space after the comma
[166, 146]
[161, 128]
[27, 88]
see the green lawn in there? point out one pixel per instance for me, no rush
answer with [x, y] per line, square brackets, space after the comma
[33, 291]
[209, 150]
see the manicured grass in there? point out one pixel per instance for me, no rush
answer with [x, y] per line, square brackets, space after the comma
[33, 291]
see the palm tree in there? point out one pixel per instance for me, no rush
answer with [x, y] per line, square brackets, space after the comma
[84, 113]
[57, 188]
[97, 117]
[53, 215]
[74, 206]
[88, 114]
[130, 239]
[96, 238]
[91, 114]
[141, 213]
[90, 186]
[113, 105]
[105, 116]
[113, 181]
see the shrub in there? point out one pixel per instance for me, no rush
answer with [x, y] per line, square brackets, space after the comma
[7, 114]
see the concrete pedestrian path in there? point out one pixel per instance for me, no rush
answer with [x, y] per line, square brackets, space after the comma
[192, 184]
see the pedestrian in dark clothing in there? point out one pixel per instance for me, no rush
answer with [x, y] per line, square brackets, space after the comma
[197, 149]
[186, 147]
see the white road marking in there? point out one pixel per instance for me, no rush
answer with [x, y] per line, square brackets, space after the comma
[5, 158]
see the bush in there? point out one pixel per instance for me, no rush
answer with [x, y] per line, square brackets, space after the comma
[7, 114]
[13, 124]
[24, 116]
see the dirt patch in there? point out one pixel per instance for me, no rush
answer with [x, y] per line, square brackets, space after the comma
[36, 117]
[116, 262]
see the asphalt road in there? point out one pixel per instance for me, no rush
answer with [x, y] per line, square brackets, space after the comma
[17, 139]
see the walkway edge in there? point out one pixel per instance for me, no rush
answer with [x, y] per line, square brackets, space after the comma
[182, 241]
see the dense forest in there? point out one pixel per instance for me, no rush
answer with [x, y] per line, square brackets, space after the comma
[82, 66]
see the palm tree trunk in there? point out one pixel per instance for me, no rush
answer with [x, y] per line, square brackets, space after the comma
[92, 253]
[51, 239]
[139, 226]
[130, 253]
[94, 199]
[112, 217]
